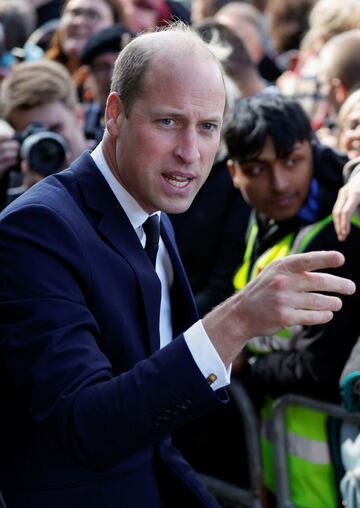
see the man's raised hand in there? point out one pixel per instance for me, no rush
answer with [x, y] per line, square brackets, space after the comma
[286, 293]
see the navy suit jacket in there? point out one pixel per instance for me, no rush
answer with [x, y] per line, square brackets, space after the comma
[88, 400]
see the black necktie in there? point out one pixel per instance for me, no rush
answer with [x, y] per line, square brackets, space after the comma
[152, 230]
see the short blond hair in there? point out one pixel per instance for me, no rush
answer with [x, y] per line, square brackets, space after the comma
[33, 84]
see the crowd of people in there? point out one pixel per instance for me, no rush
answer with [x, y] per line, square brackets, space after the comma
[180, 188]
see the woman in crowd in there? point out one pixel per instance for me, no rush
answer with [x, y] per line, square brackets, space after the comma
[79, 20]
[349, 141]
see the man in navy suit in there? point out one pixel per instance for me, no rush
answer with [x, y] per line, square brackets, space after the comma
[96, 371]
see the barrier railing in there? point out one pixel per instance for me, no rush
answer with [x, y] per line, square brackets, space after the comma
[2, 501]
[234, 496]
[280, 442]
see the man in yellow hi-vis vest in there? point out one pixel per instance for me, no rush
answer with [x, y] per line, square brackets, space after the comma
[291, 182]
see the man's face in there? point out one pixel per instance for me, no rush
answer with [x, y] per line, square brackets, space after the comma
[275, 187]
[166, 147]
[58, 118]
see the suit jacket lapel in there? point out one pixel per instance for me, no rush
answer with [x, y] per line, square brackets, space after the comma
[114, 225]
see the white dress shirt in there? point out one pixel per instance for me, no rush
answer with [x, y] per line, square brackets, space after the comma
[197, 340]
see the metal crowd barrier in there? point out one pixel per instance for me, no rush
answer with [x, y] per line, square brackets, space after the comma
[236, 497]
[279, 437]
[2, 501]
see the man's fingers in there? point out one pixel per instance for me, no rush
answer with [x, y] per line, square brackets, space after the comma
[294, 274]
[311, 317]
[310, 261]
[325, 283]
[316, 302]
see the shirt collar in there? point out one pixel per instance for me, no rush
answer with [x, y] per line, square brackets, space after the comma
[136, 215]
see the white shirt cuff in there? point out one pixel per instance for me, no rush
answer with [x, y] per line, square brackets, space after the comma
[206, 357]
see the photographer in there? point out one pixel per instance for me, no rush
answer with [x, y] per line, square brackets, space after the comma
[40, 93]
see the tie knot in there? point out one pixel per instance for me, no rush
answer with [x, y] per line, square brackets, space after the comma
[152, 230]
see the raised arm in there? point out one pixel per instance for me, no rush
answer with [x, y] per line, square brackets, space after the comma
[286, 293]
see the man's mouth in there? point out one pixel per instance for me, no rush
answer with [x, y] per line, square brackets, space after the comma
[178, 181]
[283, 200]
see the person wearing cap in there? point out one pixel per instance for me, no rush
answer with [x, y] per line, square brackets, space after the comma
[99, 55]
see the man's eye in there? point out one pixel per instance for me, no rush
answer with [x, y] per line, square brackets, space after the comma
[254, 170]
[54, 126]
[167, 122]
[291, 162]
[208, 126]
[257, 170]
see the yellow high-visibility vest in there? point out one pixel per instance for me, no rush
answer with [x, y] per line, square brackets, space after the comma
[312, 478]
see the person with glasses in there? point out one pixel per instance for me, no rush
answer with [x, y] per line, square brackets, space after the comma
[80, 19]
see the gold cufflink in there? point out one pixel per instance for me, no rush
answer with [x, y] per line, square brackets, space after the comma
[211, 378]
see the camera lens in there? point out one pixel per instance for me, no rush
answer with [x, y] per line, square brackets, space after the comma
[45, 152]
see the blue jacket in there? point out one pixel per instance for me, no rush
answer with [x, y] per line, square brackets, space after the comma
[88, 399]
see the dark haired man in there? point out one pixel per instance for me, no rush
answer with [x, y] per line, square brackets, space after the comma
[95, 370]
[291, 183]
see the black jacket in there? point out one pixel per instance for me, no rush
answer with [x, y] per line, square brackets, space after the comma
[314, 364]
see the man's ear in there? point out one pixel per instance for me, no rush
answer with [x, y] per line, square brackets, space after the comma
[234, 170]
[113, 111]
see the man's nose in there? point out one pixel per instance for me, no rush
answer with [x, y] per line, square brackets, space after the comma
[279, 179]
[187, 146]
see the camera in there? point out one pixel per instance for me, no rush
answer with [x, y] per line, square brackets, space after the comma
[44, 150]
